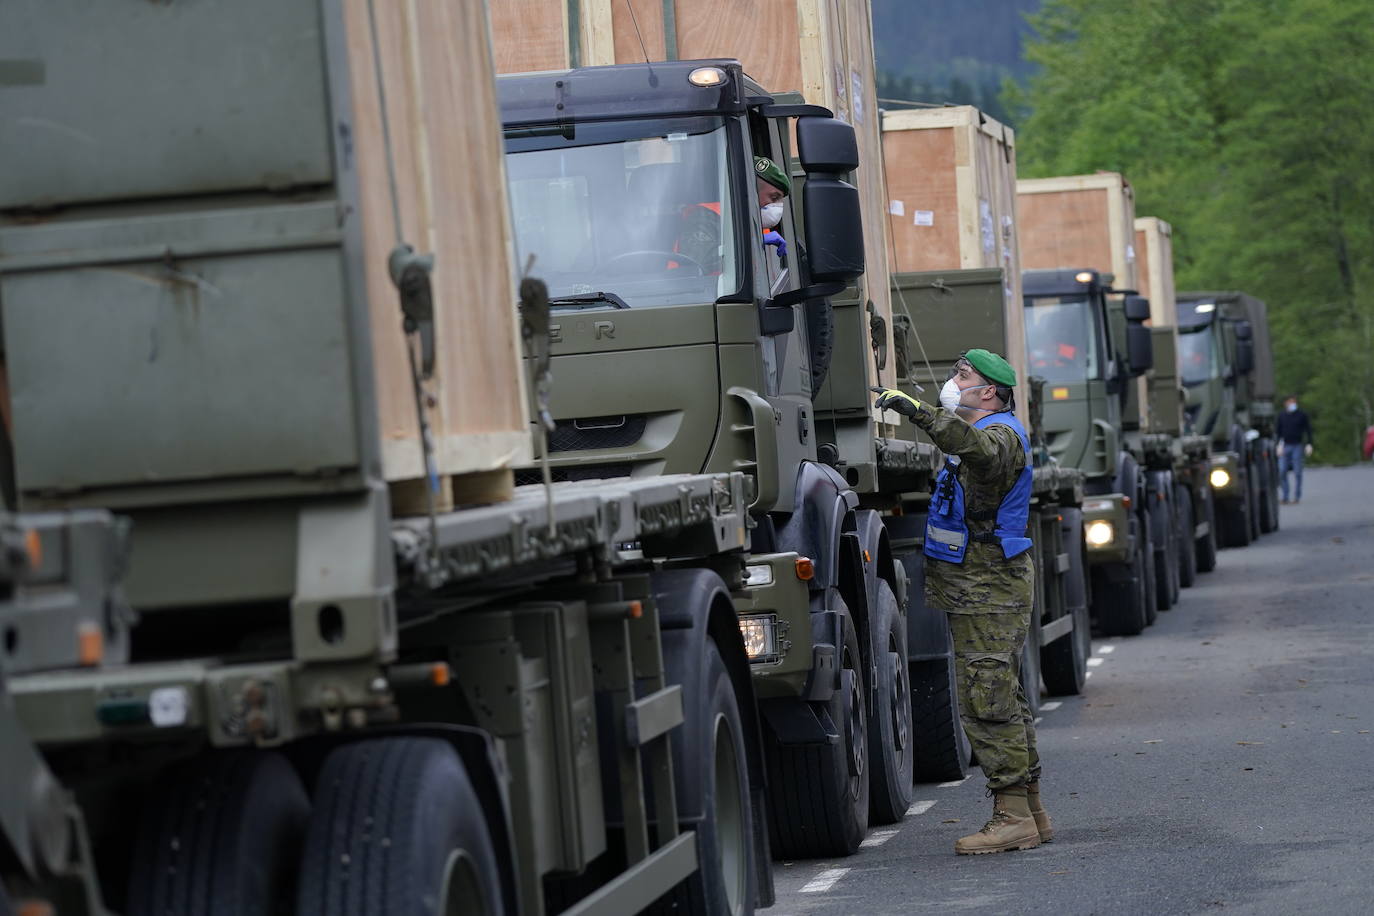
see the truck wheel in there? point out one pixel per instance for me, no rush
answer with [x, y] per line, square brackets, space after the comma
[1268, 499]
[1164, 555]
[221, 837]
[1187, 549]
[889, 734]
[1064, 662]
[723, 881]
[1119, 596]
[1234, 517]
[818, 796]
[1207, 544]
[397, 829]
[939, 746]
[1030, 665]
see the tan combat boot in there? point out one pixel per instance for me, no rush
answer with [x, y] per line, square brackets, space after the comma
[1042, 817]
[1011, 827]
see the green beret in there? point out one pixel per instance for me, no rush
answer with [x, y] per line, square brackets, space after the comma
[992, 367]
[768, 170]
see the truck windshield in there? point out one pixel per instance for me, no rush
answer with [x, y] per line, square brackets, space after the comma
[641, 210]
[1196, 355]
[1061, 338]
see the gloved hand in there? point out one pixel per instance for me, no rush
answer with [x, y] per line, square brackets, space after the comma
[900, 401]
[1278, 448]
[1307, 451]
[772, 238]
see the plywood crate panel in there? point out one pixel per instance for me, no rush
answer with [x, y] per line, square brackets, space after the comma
[951, 183]
[1079, 221]
[1154, 250]
[450, 183]
[822, 48]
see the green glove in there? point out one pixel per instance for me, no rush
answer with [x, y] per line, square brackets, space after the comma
[900, 401]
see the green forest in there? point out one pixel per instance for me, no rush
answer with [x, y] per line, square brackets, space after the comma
[1249, 126]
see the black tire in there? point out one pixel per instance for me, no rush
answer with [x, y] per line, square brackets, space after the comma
[724, 879]
[1030, 665]
[1207, 544]
[1064, 662]
[818, 796]
[1147, 555]
[1269, 497]
[1165, 554]
[1119, 597]
[1233, 517]
[1254, 497]
[398, 830]
[1187, 548]
[221, 838]
[889, 731]
[939, 745]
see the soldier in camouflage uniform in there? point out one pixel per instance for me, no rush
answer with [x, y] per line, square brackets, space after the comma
[986, 594]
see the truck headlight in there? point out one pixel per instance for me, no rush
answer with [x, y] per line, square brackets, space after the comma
[1099, 533]
[1220, 478]
[760, 637]
[755, 576]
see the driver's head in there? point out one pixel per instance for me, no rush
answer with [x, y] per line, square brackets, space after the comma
[772, 182]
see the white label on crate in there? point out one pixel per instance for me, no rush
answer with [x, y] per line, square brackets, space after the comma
[924, 218]
[985, 220]
[168, 706]
[858, 98]
[896, 208]
[1130, 252]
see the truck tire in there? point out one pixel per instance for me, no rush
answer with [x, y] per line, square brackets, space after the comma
[397, 830]
[1187, 549]
[1269, 499]
[818, 795]
[1064, 662]
[889, 732]
[1147, 557]
[1254, 498]
[1165, 554]
[1207, 544]
[1234, 518]
[723, 881]
[1119, 596]
[1030, 665]
[939, 746]
[221, 837]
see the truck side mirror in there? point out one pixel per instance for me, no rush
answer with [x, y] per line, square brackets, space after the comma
[1245, 355]
[1244, 331]
[1140, 348]
[1137, 308]
[831, 217]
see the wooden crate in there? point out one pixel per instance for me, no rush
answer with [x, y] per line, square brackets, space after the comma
[951, 184]
[1079, 221]
[445, 138]
[822, 48]
[1154, 252]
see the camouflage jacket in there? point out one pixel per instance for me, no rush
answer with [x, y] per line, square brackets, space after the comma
[989, 461]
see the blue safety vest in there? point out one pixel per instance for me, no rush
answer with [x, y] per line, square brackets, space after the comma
[947, 533]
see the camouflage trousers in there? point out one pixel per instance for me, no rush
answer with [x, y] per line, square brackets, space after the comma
[992, 704]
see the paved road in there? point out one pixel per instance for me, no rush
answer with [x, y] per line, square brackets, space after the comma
[1221, 762]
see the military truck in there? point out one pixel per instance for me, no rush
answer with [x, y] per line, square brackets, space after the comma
[1228, 370]
[1090, 345]
[566, 700]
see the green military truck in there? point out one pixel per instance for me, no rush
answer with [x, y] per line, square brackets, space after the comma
[598, 696]
[1090, 346]
[1228, 369]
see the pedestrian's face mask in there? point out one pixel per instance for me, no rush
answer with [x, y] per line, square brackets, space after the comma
[1292, 406]
[771, 214]
[951, 395]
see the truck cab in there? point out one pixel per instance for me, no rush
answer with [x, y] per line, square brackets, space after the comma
[677, 340]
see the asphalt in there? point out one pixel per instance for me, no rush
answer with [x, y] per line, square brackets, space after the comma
[1223, 761]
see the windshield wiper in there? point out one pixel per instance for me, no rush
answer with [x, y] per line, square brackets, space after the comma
[587, 300]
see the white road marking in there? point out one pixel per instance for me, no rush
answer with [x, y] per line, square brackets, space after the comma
[878, 838]
[1050, 706]
[954, 784]
[824, 881]
[1037, 720]
[1105, 650]
[1094, 662]
[1087, 674]
[920, 807]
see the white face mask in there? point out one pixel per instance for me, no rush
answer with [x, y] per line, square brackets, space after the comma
[772, 215]
[1292, 407]
[951, 392]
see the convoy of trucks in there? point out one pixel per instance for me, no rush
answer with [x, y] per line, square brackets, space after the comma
[278, 635]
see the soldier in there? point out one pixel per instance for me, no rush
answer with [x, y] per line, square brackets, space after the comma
[979, 570]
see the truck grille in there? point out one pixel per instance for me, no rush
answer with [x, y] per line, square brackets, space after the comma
[527, 476]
